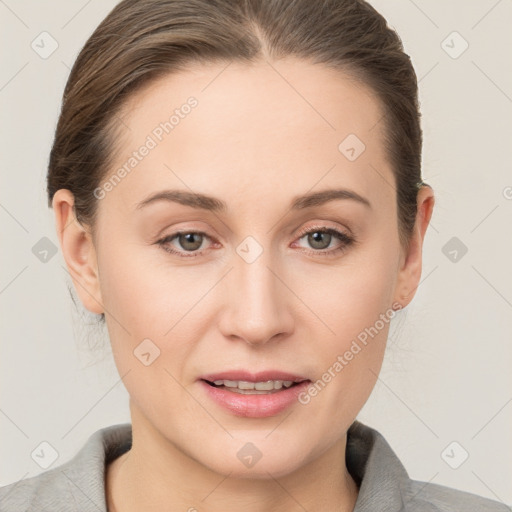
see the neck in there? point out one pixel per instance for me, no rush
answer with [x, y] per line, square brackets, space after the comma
[156, 475]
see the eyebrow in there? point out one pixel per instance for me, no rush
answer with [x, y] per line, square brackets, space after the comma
[205, 202]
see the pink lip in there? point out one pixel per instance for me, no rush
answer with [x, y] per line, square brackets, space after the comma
[257, 405]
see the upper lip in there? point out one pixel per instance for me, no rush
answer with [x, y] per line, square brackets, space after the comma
[263, 376]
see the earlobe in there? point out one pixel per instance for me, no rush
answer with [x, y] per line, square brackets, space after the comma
[410, 272]
[78, 251]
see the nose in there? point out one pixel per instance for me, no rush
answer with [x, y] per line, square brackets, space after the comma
[257, 308]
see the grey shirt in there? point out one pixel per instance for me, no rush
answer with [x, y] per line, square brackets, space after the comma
[384, 485]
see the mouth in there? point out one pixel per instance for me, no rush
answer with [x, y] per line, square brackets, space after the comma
[253, 395]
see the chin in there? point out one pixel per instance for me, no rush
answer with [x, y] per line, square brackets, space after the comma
[247, 461]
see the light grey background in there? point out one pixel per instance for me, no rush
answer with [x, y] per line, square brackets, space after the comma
[446, 376]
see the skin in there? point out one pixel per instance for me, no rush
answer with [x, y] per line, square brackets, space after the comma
[254, 142]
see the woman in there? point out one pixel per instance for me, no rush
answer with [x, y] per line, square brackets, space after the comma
[237, 190]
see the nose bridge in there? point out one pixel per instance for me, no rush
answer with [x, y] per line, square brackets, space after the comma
[256, 306]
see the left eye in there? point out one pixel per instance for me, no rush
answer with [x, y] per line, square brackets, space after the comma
[319, 238]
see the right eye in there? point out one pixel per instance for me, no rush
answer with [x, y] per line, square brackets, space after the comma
[190, 241]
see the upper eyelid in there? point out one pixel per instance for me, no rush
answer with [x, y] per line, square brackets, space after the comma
[301, 233]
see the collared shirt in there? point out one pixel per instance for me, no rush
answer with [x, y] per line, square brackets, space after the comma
[384, 485]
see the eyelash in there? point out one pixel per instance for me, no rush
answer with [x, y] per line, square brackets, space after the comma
[346, 240]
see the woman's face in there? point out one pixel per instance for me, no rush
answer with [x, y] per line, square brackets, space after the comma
[261, 287]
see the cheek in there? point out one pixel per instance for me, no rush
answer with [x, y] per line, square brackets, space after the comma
[350, 297]
[142, 290]
[354, 303]
[152, 313]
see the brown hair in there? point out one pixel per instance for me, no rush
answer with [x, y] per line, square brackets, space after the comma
[141, 40]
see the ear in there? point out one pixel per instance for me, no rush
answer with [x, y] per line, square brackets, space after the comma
[411, 262]
[78, 250]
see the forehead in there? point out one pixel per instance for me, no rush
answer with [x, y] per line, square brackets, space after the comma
[283, 126]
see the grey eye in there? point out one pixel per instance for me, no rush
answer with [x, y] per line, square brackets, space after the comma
[190, 241]
[315, 239]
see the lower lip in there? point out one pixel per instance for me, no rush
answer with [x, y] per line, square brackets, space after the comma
[254, 406]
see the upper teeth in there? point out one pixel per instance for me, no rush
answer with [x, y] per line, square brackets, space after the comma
[262, 386]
